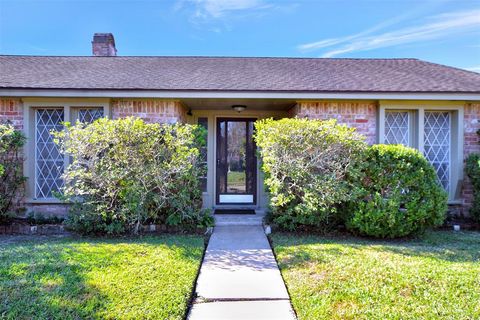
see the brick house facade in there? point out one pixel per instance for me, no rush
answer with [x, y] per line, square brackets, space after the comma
[358, 114]
[427, 106]
[364, 117]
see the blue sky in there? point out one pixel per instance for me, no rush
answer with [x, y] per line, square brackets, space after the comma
[442, 31]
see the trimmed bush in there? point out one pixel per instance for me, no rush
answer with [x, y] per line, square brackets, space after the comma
[11, 174]
[126, 172]
[400, 194]
[306, 165]
[473, 172]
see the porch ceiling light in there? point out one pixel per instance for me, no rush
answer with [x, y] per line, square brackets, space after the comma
[239, 107]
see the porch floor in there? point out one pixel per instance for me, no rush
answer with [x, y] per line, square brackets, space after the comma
[240, 219]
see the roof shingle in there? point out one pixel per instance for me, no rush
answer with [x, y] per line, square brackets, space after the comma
[234, 74]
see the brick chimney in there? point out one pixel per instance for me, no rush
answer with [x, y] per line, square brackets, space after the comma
[103, 45]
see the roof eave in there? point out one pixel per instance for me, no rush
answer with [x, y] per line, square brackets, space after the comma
[236, 94]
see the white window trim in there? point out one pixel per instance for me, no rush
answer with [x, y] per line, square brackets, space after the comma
[457, 118]
[30, 104]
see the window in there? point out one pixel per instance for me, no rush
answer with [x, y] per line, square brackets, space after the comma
[437, 144]
[436, 131]
[49, 164]
[203, 122]
[88, 115]
[397, 127]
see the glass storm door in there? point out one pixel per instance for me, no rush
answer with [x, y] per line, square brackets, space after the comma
[236, 162]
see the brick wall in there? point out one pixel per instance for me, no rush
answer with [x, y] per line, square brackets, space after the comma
[471, 125]
[12, 110]
[361, 115]
[151, 110]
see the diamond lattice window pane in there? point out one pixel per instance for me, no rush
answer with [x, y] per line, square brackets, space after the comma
[49, 162]
[89, 115]
[437, 144]
[397, 127]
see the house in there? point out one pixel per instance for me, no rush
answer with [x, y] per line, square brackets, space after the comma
[431, 107]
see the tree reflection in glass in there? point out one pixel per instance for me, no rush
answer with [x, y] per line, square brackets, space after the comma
[236, 157]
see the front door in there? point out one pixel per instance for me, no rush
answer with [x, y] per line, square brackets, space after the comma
[236, 162]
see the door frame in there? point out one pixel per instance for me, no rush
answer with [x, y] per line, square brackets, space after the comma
[255, 170]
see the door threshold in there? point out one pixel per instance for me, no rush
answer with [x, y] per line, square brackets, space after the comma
[236, 207]
[235, 211]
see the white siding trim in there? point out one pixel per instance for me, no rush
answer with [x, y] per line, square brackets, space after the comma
[183, 94]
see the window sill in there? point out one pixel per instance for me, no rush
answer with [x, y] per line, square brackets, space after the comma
[455, 202]
[44, 201]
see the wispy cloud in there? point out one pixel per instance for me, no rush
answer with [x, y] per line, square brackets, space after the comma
[438, 26]
[208, 9]
[222, 12]
[334, 41]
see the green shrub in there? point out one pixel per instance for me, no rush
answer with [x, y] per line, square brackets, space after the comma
[126, 172]
[306, 165]
[37, 218]
[11, 174]
[401, 194]
[473, 172]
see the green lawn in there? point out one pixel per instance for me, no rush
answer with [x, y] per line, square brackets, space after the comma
[236, 180]
[435, 276]
[79, 278]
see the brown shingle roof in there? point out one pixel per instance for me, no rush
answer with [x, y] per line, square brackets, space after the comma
[231, 74]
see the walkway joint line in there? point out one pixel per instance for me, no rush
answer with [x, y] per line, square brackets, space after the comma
[239, 278]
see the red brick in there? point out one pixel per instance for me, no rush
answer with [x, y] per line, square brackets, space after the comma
[361, 115]
[12, 110]
[152, 110]
[471, 145]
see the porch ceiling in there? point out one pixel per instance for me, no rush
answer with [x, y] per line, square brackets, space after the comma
[252, 104]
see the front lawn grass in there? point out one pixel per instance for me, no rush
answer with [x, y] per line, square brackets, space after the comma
[82, 278]
[436, 276]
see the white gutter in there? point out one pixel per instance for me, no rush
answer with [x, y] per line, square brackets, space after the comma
[231, 94]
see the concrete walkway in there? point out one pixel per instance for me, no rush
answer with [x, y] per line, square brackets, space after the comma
[239, 278]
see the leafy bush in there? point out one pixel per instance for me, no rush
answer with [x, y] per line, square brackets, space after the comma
[11, 175]
[126, 172]
[37, 218]
[473, 172]
[400, 194]
[306, 165]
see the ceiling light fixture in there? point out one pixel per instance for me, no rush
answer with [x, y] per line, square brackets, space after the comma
[239, 107]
